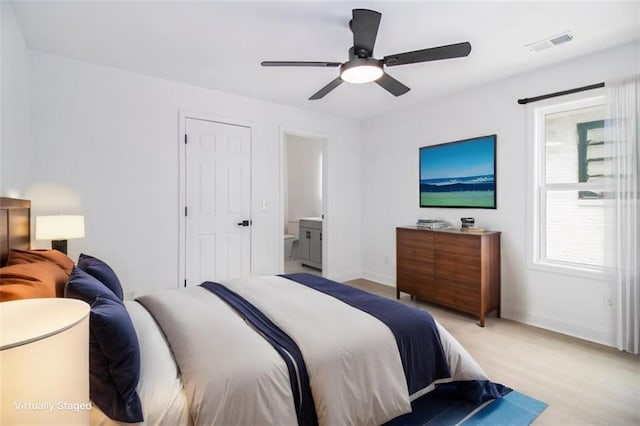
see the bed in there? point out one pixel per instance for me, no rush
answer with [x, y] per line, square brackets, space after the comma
[290, 349]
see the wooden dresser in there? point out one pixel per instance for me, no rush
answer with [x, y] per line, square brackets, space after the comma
[453, 268]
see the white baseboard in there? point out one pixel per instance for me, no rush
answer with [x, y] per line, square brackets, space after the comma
[380, 278]
[344, 276]
[581, 331]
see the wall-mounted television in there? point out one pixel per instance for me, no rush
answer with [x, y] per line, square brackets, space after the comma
[459, 174]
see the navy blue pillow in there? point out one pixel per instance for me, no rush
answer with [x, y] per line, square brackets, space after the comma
[103, 272]
[114, 361]
[114, 353]
[83, 286]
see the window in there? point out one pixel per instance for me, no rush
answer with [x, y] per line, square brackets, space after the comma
[591, 159]
[570, 166]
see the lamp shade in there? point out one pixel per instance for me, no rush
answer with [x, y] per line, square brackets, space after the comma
[44, 362]
[60, 227]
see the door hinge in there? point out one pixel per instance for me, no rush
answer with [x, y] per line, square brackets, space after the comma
[185, 138]
[185, 210]
[185, 282]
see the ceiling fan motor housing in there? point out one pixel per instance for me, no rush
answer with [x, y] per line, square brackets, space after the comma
[359, 53]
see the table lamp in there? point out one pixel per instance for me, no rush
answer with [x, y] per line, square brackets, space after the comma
[44, 362]
[59, 229]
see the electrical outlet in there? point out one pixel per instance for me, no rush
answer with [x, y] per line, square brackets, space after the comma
[608, 302]
[386, 260]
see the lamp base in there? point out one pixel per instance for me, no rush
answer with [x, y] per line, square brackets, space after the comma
[60, 245]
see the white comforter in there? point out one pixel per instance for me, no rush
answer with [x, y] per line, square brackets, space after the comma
[231, 375]
[352, 358]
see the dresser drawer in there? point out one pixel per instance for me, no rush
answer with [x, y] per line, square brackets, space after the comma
[419, 286]
[417, 247]
[454, 263]
[420, 239]
[461, 301]
[417, 267]
[454, 285]
[415, 253]
[458, 244]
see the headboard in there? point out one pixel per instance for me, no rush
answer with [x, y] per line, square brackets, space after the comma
[15, 226]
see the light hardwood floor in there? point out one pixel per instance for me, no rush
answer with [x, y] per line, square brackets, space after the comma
[292, 266]
[584, 383]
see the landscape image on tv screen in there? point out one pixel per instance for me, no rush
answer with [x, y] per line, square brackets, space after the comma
[459, 174]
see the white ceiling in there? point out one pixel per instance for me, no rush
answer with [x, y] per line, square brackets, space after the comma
[219, 45]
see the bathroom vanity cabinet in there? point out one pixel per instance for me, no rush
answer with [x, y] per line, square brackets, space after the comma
[310, 238]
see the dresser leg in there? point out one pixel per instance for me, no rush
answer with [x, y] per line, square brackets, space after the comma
[397, 294]
[481, 320]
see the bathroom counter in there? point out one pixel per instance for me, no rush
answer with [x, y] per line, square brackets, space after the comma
[311, 219]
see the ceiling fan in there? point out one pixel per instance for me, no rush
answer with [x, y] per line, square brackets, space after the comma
[363, 68]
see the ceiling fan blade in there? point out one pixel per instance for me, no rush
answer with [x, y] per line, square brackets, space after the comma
[392, 85]
[364, 26]
[432, 54]
[300, 64]
[326, 89]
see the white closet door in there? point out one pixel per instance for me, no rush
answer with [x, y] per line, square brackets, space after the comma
[218, 199]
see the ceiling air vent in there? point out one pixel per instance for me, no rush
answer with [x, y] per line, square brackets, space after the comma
[550, 42]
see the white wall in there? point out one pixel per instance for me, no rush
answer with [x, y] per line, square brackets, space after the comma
[14, 90]
[304, 178]
[565, 303]
[111, 137]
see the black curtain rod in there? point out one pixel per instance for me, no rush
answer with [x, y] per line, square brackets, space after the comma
[564, 92]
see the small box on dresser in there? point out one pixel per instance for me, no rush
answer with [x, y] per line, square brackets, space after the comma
[453, 268]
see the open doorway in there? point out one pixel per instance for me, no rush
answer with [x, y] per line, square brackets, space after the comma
[303, 203]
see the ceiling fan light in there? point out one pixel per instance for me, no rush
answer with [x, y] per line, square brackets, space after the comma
[361, 71]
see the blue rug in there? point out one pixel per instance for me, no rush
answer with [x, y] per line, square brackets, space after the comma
[514, 409]
[444, 407]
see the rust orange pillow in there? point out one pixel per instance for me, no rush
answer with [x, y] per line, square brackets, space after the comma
[17, 257]
[29, 290]
[32, 280]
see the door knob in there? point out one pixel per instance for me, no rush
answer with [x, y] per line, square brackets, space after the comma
[244, 223]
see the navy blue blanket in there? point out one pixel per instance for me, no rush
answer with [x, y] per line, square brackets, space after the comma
[415, 331]
[282, 343]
